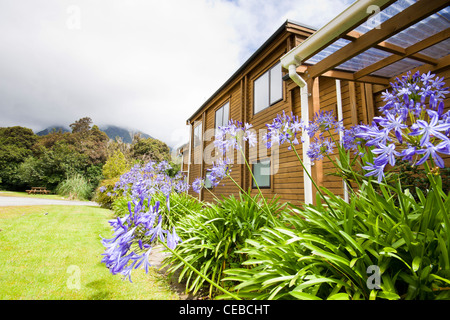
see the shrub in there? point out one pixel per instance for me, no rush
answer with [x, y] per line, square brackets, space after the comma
[105, 194]
[115, 166]
[324, 254]
[212, 237]
[75, 187]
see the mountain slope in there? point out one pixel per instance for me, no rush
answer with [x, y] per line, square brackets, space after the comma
[125, 134]
[112, 131]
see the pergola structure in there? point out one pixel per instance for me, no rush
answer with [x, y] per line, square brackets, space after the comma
[371, 42]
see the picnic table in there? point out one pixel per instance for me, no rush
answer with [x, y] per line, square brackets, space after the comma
[40, 190]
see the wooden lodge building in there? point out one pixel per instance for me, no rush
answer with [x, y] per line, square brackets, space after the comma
[344, 67]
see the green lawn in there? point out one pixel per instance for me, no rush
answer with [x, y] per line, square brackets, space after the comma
[57, 257]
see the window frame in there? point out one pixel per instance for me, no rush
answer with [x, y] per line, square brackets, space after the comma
[270, 174]
[268, 73]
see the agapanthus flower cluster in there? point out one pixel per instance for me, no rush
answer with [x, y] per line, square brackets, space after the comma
[231, 136]
[144, 181]
[221, 168]
[134, 237]
[198, 184]
[413, 125]
[284, 128]
[410, 93]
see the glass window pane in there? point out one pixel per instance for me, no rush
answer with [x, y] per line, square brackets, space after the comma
[208, 184]
[261, 92]
[198, 135]
[276, 84]
[219, 118]
[222, 115]
[226, 114]
[261, 171]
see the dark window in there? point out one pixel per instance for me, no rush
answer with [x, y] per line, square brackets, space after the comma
[208, 184]
[261, 172]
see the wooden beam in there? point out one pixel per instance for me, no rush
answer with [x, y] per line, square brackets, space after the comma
[346, 75]
[426, 43]
[443, 64]
[390, 47]
[353, 106]
[363, 103]
[411, 15]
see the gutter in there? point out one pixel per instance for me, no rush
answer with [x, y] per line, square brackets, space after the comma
[304, 97]
[341, 24]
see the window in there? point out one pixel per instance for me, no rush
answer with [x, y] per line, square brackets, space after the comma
[261, 172]
[198, 135]
[222, 115]
[268, 88]
[208, 184]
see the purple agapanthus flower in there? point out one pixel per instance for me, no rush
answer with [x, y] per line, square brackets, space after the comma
[198, 184]
[428, 129]
[221, 168]
[133, 239]
[413, 116]
[232, 136]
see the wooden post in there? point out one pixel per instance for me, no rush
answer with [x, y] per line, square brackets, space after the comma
[369, 102]
[353, 106]
[314, 107]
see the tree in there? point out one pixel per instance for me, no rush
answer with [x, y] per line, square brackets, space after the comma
[149, 149]
[15, 147]
[82, 126]
[115, 166]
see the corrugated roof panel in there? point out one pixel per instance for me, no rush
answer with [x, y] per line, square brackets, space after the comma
[363, 60]
[439, 50]
[423, 29]
[397, 68]
[332, 48]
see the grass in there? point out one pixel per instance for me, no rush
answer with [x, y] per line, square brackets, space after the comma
[57, 257]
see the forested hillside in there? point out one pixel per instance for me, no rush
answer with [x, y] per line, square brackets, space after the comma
[28, 160]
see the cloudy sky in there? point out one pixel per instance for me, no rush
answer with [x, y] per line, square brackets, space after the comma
[141, 64]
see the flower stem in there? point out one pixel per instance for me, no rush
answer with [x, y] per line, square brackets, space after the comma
[212, 194]
[312, 180]
[200, 274]
[439, 201]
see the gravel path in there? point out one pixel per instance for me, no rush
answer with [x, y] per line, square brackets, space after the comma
[25, 201]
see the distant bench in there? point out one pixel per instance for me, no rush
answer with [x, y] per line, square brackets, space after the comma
[40, 190]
